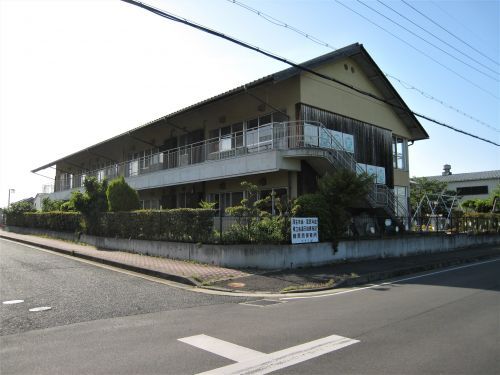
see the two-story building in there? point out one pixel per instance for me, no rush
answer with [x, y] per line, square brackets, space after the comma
[280, 132]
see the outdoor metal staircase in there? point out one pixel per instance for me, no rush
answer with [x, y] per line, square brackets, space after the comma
[379, 195]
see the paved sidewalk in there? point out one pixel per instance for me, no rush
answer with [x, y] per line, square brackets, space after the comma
[353, 273]
[182, 271]
[282, 281]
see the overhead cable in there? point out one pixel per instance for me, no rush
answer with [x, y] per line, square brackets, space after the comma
[285, 25]
[449, 32]
[438, 38]
[316, 40]
[200, 27]
[409, 86]
[419, 50]
[428, 42]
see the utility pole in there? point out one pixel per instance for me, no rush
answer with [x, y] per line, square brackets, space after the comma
[8, 201]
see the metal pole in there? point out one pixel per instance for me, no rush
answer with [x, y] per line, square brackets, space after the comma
[220, 225]
[8, 201]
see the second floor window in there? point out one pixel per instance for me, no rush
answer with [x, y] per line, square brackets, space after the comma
[399, 153]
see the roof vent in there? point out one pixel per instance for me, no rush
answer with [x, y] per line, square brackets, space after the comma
[446, 170]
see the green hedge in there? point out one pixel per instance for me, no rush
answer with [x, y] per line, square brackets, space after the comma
[182, 224]
[57, 221]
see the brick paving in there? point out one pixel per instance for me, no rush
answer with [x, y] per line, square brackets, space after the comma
[177, 268]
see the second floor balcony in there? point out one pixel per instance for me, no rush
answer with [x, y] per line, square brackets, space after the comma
[274, 136]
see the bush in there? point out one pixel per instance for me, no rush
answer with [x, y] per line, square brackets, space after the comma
[337, 194]
[91, 203]
[182, 224]
[15, 213]
[49, 205]
[253, 223]
[315, 205]
[260, 230]
[121, 197]
[56, 221]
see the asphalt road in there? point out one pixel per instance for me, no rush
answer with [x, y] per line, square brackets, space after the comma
[77, 291]
[442, 322]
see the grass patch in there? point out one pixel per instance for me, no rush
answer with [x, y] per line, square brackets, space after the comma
[292, 288]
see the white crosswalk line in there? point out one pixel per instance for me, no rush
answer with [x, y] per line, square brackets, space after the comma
[253, 362]
[223, 348]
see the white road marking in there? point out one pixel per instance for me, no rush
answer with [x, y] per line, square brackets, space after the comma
[223, 348]
[390, 282]
[261, 363]
[43, 308]
[12, 302]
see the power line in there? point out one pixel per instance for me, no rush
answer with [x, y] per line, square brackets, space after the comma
[438, 38]
[419, 50]
[316, 40]
[428, 42]
[285, 25]
[436, 4]
[409, 86]
[200, 27]
[449, 32]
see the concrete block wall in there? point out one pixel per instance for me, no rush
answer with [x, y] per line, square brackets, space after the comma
[282, 256]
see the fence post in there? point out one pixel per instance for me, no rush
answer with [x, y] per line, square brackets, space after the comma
[160, 229]
[220, 227]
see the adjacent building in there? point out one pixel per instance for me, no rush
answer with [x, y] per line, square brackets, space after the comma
[474, 185]
[280, 132]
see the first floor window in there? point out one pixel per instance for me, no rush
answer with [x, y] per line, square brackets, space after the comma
[401, 196]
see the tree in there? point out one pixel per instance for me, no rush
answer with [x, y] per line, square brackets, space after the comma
[253, 223]
[15, 212]
[482, 205]
[337, 194]
[21, 207]
[121, 197]
[91, 202]
[49, 205]
[342, 191]
[424, 186]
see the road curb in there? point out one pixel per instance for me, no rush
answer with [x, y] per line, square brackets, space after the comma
[348, 282]
[179, 279]
[377, 276]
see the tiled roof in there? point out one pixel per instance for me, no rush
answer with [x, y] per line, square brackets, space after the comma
[473, 176]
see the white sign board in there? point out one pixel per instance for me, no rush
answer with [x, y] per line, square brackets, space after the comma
[381, 175]
[348, 142]
[304, 229]
[310, 134]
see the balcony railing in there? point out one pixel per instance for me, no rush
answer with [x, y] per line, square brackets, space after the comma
[272, 136]
[260, 139]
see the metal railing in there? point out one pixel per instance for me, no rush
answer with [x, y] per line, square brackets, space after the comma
[266, 137]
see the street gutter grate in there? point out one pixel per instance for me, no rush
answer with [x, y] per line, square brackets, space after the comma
[262, 302]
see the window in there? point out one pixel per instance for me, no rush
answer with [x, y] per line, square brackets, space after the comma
[225, 200]
[401, 194]
[472, 190]
[399, 153]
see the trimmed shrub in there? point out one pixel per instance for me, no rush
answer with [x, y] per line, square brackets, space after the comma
[56, 221]
[121, 197]
[49, 205]
[91, 203]
[14, 215]
[182, 224]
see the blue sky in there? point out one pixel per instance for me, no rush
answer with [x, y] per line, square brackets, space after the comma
[74, 73]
